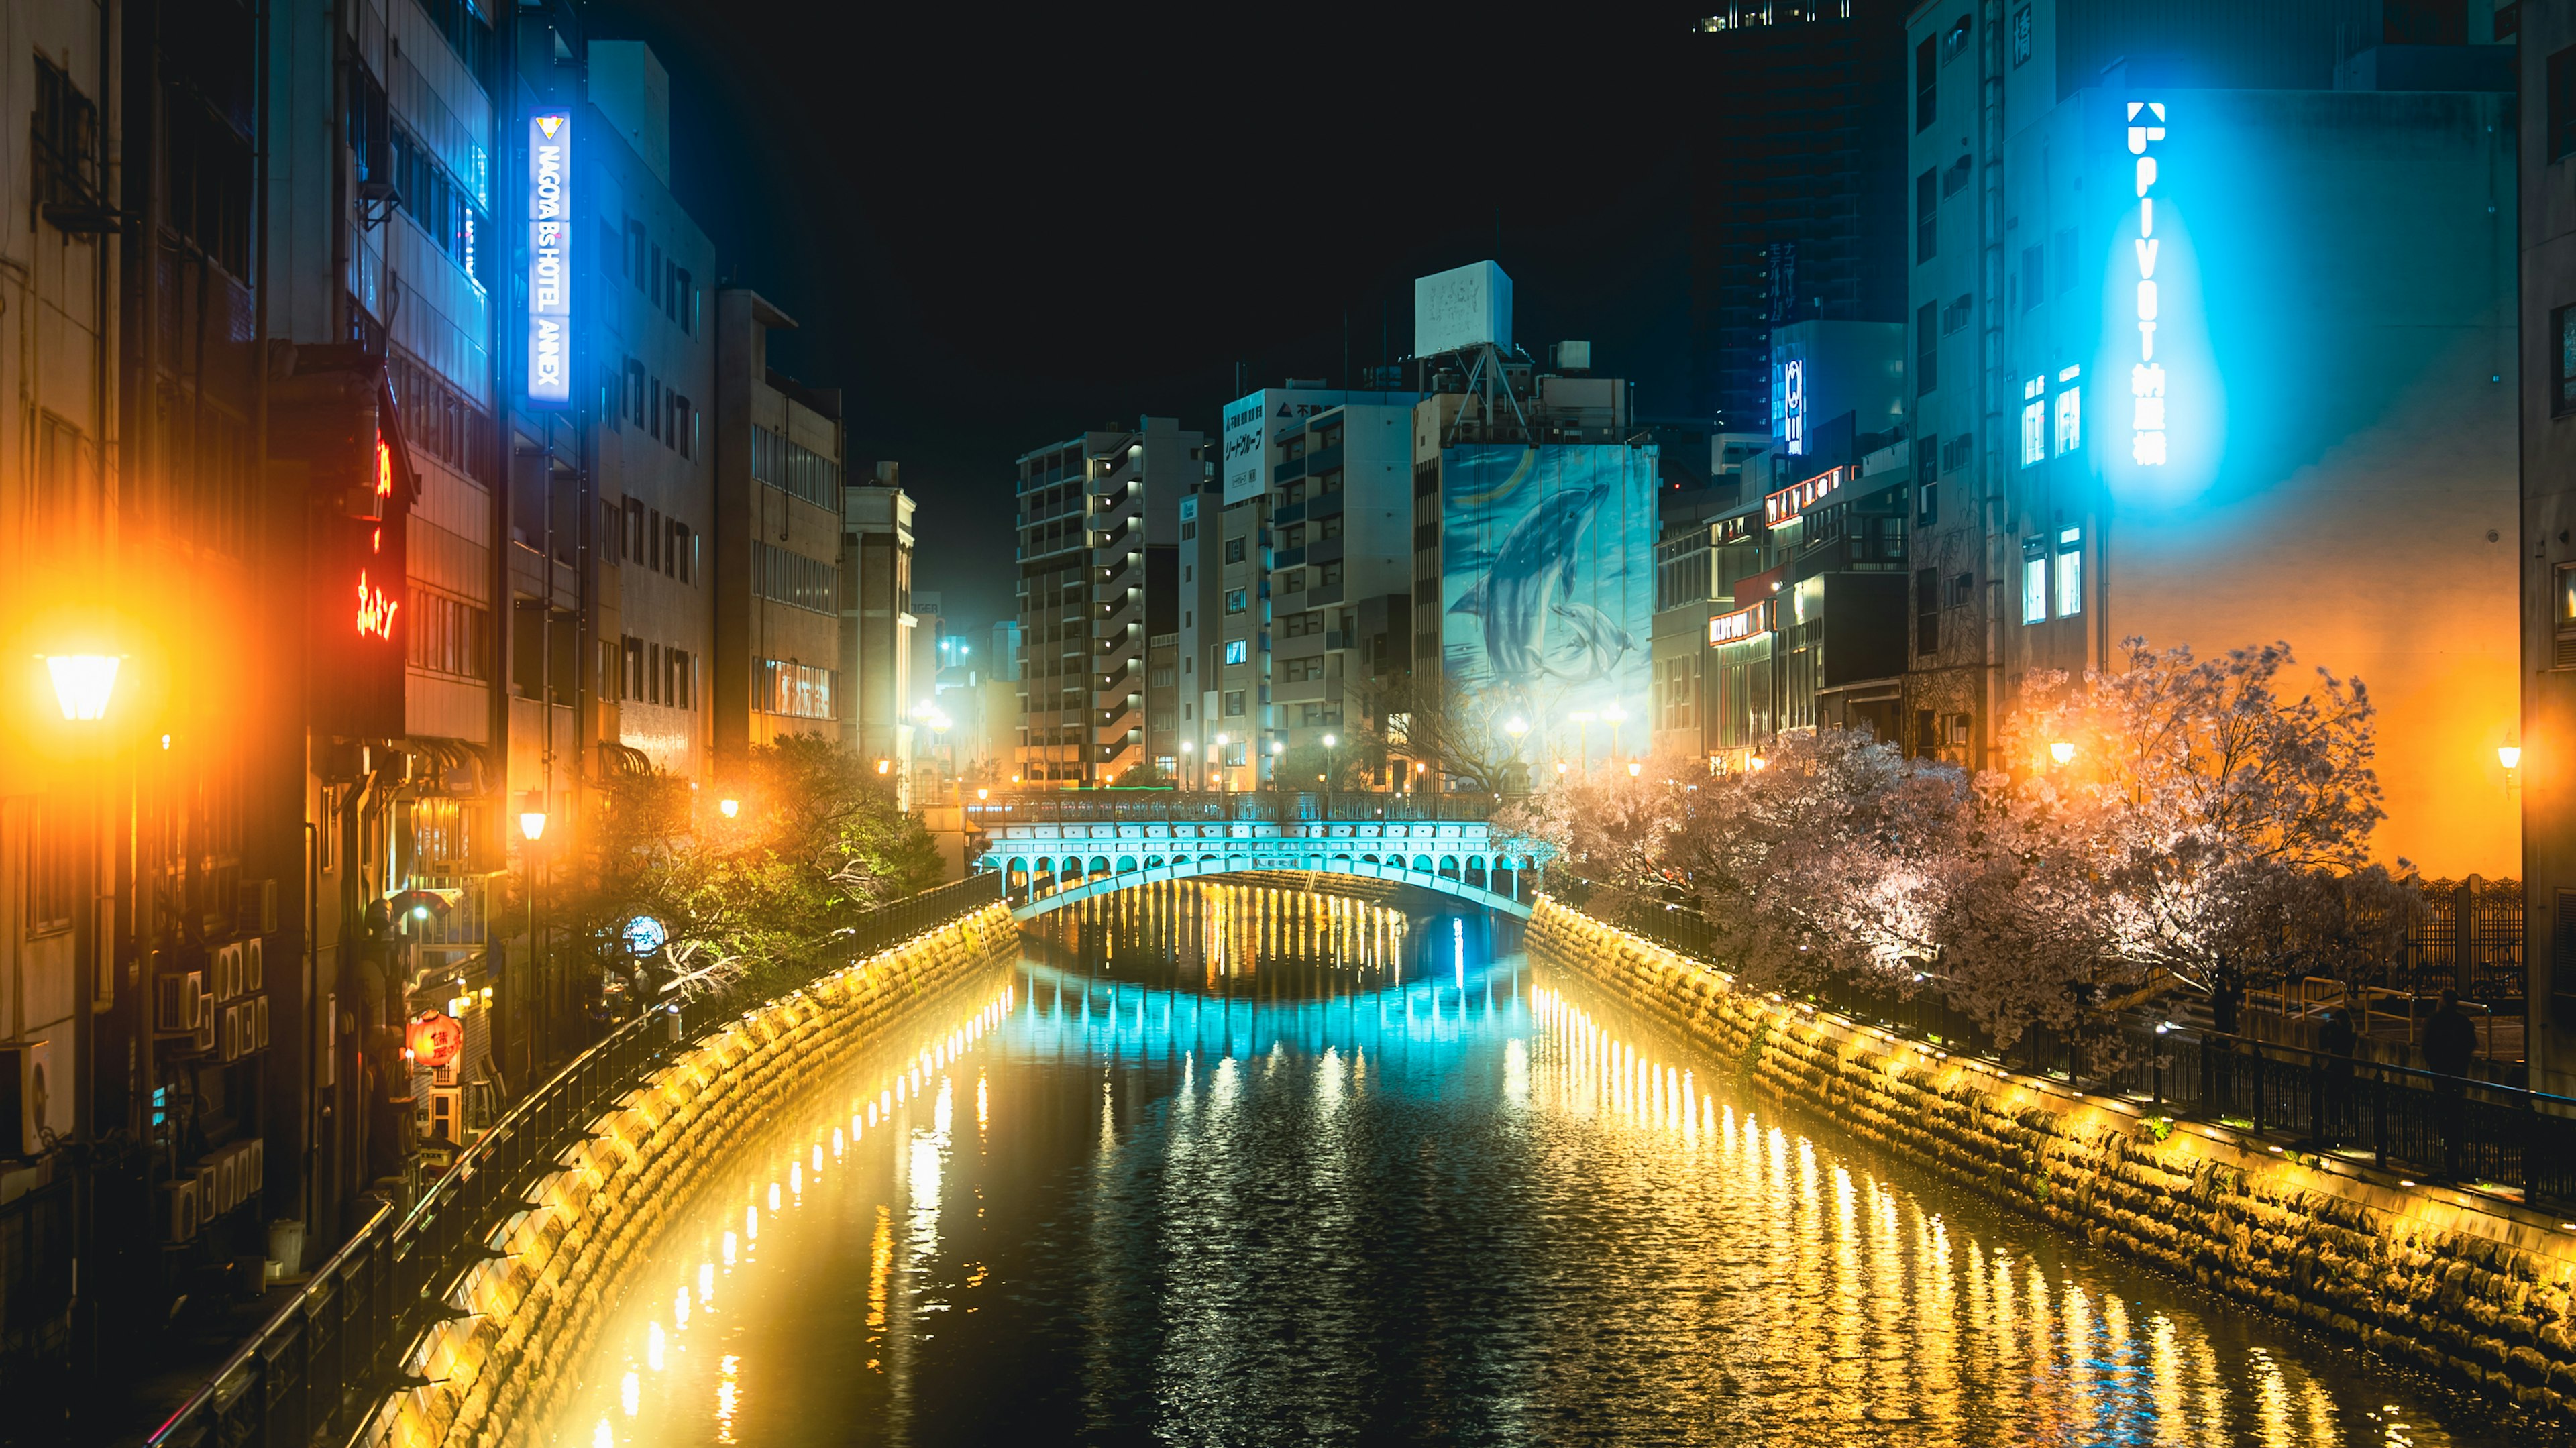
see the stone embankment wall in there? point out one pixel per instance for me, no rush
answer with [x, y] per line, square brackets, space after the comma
[498, 1377]
[2474, 1289]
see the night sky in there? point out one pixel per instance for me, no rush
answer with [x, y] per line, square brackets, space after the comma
[995, 236]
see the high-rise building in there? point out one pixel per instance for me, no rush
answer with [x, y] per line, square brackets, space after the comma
[2540, 756]
[876, 620]
[1798, 165]
[1308, 530]
[649, 443]
[2109, 438]
[777, 544]
[1094, 512]
[1534, 521]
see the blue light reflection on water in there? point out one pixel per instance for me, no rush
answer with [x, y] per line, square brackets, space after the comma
[1242, 1166]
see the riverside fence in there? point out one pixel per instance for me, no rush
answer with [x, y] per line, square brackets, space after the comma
[2486, 1134]
[312, 1375]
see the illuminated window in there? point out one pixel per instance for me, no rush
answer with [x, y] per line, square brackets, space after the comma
[1237, 650]
[2034, 421]
[2070, 412]
[1234, 600]
[2070, 572]
[2034, 583]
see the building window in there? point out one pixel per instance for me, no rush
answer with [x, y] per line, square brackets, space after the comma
[793, 579]
[1234, 600]
[1237, 650]
[799, 691]
[1927, 83]
[1299, 625]
[2070, 572]
[2034, 421]
[1954, 318]
[1329, 576]
[1234, 704]
[1955, 452]
[1927, 471]
[1958, 590]
[2070, 412]
[1306, 670]
[2034, 583]
[1927, 348]
[1293, 581]
[2562, 325]
[1234, 550]
[1927, 215]
[52, 866]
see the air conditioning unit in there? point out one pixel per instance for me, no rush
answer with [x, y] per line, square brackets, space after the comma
[179, 1002]
[228, 972]
[254, 1165]
[205, 1035]
[228, 1033]
[260, 1008]
[254, 964]
[259, 908]
[210, 1194]
[180, 1210]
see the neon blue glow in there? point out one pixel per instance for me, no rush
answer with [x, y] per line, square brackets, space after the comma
[2070, 410]
[2147, 439]
[644, 936]
[550, 258]
[1237, 650]
[1793, 405]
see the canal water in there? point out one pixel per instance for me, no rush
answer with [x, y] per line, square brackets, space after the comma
[1223, 1164]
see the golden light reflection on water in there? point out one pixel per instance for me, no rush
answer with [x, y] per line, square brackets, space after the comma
[1283, 1167]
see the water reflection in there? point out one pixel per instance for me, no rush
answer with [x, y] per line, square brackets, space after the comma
[1262, 1166]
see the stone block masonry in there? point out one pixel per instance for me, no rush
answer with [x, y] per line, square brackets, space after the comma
[496, 1378]
[2471, 1288]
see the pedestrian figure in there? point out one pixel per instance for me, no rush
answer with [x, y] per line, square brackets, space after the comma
[2330, 1084]
[2450, 1043]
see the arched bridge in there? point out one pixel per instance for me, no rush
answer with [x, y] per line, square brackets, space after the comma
[1052, 851]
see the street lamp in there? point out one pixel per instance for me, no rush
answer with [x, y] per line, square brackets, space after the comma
[2061, 751]
[83, 683]
[532, 816]
[1636, 767]
[726, 807]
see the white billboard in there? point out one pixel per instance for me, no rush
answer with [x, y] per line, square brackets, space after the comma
[1253, 426]
[1464, 306]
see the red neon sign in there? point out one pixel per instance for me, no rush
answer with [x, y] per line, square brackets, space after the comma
[375, 611]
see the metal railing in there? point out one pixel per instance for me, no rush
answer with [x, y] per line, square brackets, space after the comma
[316, 1371]
[1180, 806]
[2479, 1133]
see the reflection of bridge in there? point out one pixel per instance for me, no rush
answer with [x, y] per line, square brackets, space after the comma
[1055, 849]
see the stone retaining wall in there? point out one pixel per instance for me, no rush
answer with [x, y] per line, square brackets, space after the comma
[2474, 1289]
[508, 1369]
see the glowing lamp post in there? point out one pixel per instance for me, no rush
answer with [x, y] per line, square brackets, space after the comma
[532, 817]
[2510, 757]
[2061, 751]
[1636, 767]
[83, 683]
[728, 807]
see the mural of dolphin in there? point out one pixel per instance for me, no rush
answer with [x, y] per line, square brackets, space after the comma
[1598, 644]
[1532, 571]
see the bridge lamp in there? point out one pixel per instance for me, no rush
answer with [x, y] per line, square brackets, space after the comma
[83, 683]
[2063, 750]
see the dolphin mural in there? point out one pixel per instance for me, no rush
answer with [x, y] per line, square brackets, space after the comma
[1529, 583]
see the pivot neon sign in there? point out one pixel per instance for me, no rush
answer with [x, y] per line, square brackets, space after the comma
[2146, 375]
[550, 257]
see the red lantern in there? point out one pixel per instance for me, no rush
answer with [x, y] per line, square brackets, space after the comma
[434, 1039]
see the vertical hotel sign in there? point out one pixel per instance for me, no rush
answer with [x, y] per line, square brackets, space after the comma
[2146, 375]
[550, 257]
